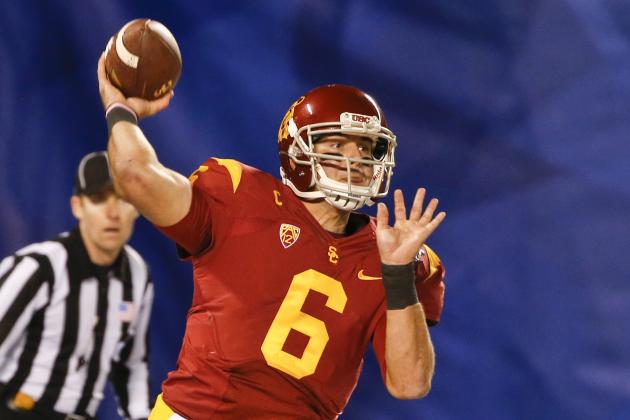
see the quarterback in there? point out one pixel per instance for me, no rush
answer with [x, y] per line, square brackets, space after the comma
[291, 283]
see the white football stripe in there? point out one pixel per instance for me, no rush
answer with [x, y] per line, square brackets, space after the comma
[123, 53]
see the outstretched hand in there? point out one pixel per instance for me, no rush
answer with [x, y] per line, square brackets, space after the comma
[400, 243]
[110, 94]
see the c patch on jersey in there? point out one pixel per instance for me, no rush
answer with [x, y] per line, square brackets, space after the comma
[289, 234]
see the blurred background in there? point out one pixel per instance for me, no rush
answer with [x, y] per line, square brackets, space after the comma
[513, 112]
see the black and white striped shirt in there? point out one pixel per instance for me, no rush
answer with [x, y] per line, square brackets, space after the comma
[67, 324]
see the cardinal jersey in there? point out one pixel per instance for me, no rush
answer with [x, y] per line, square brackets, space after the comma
[283, 311]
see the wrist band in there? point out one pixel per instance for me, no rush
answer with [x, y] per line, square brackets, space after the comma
[117, 112]
[400, 285]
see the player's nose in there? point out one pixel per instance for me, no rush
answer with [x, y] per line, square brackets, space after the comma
[352, 150]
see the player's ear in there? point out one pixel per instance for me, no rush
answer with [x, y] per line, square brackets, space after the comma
[77, 207]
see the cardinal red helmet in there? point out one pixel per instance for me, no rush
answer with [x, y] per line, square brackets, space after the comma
[335, 110]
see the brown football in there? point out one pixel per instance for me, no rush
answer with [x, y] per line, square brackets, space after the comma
[143, 59]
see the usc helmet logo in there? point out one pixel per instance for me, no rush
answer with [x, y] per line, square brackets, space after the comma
[283, 131]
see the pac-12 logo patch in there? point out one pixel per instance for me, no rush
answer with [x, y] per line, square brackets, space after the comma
[289, 234]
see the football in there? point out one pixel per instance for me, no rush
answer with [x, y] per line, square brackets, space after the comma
[143, 59]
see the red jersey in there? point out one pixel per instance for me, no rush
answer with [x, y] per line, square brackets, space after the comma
[283, 311]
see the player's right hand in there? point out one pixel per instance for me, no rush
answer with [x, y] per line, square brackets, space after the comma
[110, 94]
[400, 243]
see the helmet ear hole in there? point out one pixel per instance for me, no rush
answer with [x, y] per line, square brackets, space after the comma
[380, 149]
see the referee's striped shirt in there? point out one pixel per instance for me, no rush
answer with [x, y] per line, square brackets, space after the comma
[67, 324]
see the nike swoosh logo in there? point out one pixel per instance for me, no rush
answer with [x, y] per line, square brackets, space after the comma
[366, 277]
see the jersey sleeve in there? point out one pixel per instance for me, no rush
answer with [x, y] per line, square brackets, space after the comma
[430, 273]
[214, 185]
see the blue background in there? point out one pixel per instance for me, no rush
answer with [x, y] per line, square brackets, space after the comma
[513, 112]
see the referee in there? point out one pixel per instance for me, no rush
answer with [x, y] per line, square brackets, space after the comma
[74, 311]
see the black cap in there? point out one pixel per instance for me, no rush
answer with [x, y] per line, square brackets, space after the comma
[93, 174]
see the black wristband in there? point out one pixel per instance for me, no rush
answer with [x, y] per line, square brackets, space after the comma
[117, 113]
[400, 285]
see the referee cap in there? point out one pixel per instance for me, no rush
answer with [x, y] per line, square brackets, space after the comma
[93, 174]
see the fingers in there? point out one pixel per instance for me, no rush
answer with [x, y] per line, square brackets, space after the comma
[400, 212]
[416, 208]
[145, 108]
[102, 73]
[382, 216]
[103, 82]
[428, 212]
[100, 68]
[416, 214]
[109, 93]
[162, 102]
[433, 224]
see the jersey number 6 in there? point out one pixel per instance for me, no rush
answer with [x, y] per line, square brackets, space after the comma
[290, 317]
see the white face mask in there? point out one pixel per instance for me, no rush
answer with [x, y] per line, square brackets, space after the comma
[344, 194]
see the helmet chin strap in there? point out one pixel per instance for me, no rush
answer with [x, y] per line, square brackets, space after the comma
[346, 203]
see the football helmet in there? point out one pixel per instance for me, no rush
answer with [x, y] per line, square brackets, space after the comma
[335, 110]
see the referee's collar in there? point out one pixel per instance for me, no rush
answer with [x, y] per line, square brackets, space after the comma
[80, 259]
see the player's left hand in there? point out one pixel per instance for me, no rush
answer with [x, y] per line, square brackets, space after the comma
[400, 243]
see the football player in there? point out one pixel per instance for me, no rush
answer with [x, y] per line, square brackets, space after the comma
[291, 283]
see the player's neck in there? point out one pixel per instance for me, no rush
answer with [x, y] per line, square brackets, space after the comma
[330, 218]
